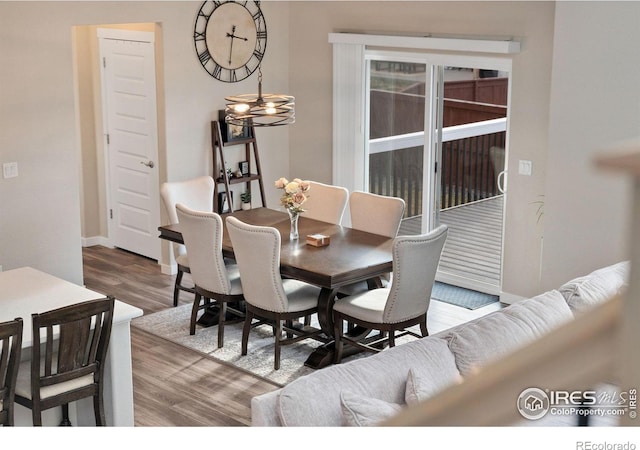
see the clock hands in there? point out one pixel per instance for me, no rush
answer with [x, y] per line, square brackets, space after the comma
[233, 36]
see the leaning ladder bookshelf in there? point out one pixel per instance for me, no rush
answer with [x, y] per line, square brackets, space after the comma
[218, 145]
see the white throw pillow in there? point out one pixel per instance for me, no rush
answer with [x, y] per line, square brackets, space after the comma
[583, 293]
[420, 388]
[359, 411]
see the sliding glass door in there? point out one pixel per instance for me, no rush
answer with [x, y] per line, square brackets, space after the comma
[435, 135]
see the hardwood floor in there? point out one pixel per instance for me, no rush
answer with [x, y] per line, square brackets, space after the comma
[173, 386]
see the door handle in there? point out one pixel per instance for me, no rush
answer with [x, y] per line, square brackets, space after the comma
[149, 164]
[501, 186]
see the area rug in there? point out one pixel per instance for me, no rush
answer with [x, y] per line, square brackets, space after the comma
[173, 325]
[458, 296]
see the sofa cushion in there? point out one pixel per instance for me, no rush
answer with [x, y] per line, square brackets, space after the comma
[483, 340]
[359, 411]
[314, 399]
[584, 292]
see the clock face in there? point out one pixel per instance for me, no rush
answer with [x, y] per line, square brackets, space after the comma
[230, 38]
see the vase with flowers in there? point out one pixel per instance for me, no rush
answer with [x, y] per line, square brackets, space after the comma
[294, 196]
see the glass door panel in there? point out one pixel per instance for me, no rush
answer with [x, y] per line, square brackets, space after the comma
[472, 176]
[396, 98]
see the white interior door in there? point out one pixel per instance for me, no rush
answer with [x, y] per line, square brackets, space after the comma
[130, 124]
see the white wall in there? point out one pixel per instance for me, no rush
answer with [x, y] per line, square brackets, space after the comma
[595, 102]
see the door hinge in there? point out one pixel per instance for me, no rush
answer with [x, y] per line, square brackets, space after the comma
[104, 62]
[435, 167]
[108, 141]
[111, 214]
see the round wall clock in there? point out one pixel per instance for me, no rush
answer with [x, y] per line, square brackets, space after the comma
[230, 38]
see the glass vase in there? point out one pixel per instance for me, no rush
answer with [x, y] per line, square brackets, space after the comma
[293, 216]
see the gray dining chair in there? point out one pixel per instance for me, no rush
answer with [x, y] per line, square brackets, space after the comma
[10, 353]
[196, 193]
[214, 278]
[326, 202]
[269, 298]
[396, 308]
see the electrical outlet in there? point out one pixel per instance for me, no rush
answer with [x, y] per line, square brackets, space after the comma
[524, 167]
[10, 170]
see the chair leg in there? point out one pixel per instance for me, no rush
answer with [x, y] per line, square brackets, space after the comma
[176, 287]
[98, 409]
[194, 314]
[339, 342]
[245, 331]
[278, 335]
[36, 415]
[66, 422]
[221, 317]
[392, 338]
[423, 327]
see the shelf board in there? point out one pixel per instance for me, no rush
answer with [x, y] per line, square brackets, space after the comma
[246, 179]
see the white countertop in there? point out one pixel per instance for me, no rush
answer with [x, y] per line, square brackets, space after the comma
[26, 290]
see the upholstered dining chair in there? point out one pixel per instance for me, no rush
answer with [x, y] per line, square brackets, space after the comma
[196, 193]
[404, 304]
[70, 365]
[378, 214]
[326, 202]
[269, 298]
[213, 278]
[10, 352]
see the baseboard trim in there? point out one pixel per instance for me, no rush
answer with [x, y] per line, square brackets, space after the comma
[510, 299]
[96, 240]
[169, 269]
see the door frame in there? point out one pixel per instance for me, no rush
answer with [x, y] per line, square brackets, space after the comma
[137, 36]
[349, 158]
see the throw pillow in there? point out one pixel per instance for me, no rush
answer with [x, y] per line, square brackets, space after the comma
[419, 388]
[583, 293]
[359, 411]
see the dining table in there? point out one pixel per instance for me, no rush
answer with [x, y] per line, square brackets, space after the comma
[352, 256]
[24, 291]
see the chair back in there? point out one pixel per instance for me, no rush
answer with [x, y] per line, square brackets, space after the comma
[375, 213]
[257, 252]
[202, 235]
[415, 263]
[326, 202]
[10, 351]
[75, 342]
[196, 193]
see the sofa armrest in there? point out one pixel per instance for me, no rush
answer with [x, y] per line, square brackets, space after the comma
[264, 410]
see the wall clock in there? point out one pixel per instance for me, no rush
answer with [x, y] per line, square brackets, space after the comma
[230, 38]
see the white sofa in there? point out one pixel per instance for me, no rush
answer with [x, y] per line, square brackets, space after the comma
[368, 390]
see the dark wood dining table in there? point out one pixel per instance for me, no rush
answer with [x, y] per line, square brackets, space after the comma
[352, 256]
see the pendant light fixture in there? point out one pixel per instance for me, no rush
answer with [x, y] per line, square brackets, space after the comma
[261, 110]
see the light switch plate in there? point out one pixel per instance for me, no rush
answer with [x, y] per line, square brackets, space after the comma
[524, 167]
[10, 170]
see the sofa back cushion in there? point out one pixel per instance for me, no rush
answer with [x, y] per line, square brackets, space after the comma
[314, 400]
[585, 292]
[483, 340]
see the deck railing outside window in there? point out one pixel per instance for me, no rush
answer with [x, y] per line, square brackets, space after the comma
[472, 159]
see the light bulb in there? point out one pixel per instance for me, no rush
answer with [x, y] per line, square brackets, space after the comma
[241, 107]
